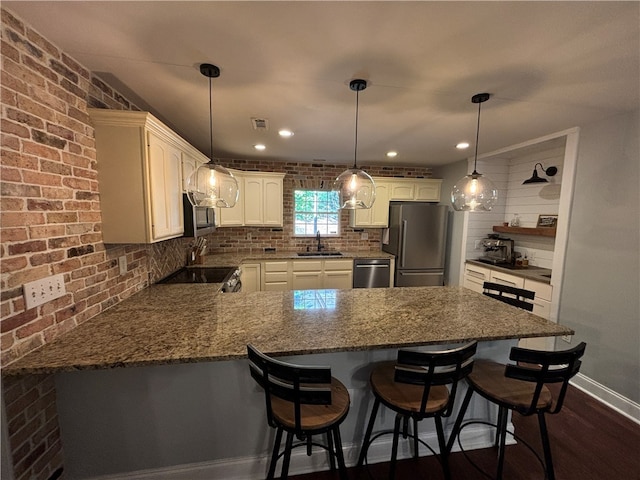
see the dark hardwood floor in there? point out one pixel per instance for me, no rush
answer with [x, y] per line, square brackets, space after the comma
[588, 440]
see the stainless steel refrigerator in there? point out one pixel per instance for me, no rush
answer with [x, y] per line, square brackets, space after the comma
[417, 236]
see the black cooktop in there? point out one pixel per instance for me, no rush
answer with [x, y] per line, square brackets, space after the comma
[200, 275]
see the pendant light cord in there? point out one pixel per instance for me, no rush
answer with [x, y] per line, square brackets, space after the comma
[210, 123]
[475, 160]
[355, 150]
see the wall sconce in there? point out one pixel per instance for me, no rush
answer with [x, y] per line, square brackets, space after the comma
[550, 172]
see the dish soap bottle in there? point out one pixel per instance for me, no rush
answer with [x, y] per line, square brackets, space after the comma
[515, 221]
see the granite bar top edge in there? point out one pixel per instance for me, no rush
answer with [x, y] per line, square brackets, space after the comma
[156, 327]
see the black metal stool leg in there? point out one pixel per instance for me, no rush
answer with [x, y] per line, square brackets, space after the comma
[544, 435]
[330, 446]
[287, 456]
[444, 454]
[502, 436]
[456, 426]
[394, 449]
[415, 438]
[339, 454]
[274, 454]
[367, 435]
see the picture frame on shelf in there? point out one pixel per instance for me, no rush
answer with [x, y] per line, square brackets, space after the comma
[547, 221]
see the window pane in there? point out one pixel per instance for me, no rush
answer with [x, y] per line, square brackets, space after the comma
[316, 211]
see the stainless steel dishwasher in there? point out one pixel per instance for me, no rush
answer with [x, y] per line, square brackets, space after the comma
[371, 272]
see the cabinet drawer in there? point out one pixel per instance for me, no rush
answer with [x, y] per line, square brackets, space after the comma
[270, 277]
[276, 266]
[543, 290]
[307, 266]
[338, 264]
[506, 279]
[479, 273]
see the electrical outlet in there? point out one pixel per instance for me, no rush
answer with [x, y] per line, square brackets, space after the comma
[122, 264]
[566, 338]
[43, 290]
[364, 236]
[477, 244]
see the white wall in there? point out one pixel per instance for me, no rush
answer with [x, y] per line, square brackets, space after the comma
[601, 286]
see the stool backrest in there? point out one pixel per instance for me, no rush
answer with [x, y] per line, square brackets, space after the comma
[511, 295]
[298, 384]
[542, 367]
[445, 367]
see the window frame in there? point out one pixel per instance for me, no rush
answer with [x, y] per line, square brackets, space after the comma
[337, 213]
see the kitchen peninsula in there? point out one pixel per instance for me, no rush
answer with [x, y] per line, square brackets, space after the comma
[190, 403]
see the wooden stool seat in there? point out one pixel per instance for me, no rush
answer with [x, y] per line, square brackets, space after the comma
[522, 386]
[405, 397]
[303, 401]
[314, 417]
[418, 385]
[489, 381]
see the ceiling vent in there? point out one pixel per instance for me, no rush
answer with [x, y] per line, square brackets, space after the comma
[260, 123]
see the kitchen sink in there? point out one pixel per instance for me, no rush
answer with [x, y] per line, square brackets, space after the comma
[319, 254]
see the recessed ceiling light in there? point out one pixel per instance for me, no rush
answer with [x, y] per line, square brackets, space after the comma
[285, 133]
[392, 154]
[260, 146]
[462, 145]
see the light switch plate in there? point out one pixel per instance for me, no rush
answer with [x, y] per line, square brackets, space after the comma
[43, 290]
[122, 264]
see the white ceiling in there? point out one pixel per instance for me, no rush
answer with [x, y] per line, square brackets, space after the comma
[548, 65]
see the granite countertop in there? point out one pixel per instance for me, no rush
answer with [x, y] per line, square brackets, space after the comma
[531, 272]
[184, 323]
[235, 259]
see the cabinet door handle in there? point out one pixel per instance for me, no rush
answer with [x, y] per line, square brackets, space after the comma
[505, 282]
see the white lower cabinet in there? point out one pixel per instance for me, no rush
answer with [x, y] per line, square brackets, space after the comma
[475, 276]
[250, 277]
[306, 274]
[275, 276]
[338, 274]
[309, 274]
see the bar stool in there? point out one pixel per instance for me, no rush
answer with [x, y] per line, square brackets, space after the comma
[513, 296]
[302, 401]
[415, 387]
[522, 387]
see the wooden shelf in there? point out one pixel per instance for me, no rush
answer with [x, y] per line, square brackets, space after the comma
[541, 232]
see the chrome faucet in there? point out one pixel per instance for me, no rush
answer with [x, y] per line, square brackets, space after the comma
[320, 246]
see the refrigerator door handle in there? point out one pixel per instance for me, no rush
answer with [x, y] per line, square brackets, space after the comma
[403, 242]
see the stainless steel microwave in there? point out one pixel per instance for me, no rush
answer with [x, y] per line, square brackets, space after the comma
[198, 221]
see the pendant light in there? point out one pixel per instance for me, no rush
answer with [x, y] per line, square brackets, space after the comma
[474, 193]
[212, 185]
[355, 186]
[550, 172]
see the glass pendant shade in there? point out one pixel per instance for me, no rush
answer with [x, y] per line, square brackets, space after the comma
[356, 189]
[474, 193]
[212, 185]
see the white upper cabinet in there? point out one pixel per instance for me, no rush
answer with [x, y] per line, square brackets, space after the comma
[399, 189]
[378, 214]
[140, 167]
[415, 189]
[259, 201]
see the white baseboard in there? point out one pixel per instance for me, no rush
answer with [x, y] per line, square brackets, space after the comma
[617, 402]
[255, 468]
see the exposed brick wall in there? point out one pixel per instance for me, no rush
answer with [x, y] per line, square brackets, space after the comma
[51, 223]
[305, 176]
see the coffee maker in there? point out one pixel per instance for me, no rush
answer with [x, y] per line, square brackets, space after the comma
[498, 250]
